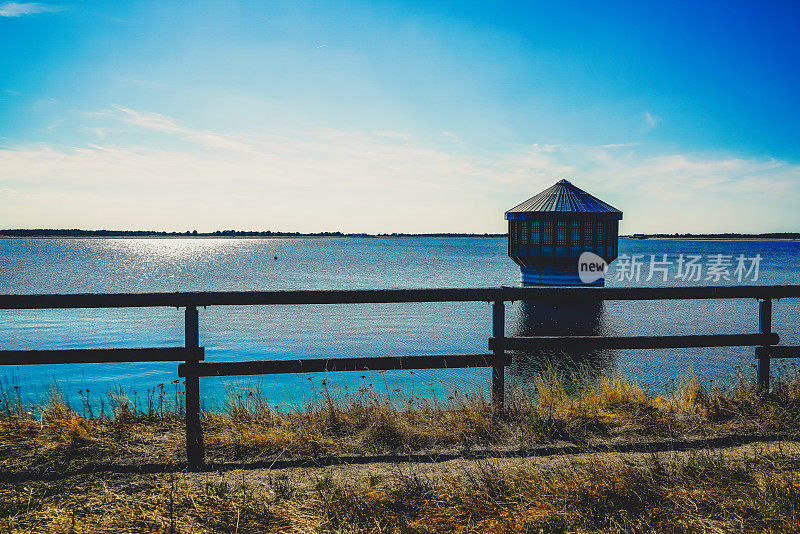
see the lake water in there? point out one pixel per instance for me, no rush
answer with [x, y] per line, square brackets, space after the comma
[262, 332]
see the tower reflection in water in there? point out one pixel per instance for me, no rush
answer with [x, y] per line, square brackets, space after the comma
[567, 319]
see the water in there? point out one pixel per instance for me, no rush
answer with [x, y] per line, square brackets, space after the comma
[261, 332]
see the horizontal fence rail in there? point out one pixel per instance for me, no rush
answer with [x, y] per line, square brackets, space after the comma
[153, 354]
[778, 352]
[367, 296]
[192, 355]
[632, 342]
[322, 365]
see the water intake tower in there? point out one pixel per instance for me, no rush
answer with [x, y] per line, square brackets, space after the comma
[548, 232]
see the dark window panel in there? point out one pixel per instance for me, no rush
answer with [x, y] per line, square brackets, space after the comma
[547, 232]
[561, 233]
[588, 232]
[575, 235]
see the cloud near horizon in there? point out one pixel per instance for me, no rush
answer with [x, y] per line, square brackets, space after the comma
[326, 179]
[14, 9]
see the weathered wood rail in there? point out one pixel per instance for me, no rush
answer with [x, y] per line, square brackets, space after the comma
[192, 355]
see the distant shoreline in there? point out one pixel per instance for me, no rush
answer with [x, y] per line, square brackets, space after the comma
[227, 234]
[382, 236]
[777, 239]
[782, 236]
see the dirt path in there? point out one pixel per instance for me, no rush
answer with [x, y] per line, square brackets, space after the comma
[455, 467]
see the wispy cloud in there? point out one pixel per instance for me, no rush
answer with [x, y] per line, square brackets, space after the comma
[320, 179]
[620, 145]
[389, 134]
[164, 124]
[452, 137]
[650, 121]
[14, 9]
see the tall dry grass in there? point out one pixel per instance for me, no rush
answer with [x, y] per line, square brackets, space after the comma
[52, 446]
[703, 492]
[362, 422]
[578, 408]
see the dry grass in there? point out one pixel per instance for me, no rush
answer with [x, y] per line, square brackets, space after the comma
[46, 453]
[363, 423]
[577, 409]
[60, 438]
[698, 493]
[701, 493]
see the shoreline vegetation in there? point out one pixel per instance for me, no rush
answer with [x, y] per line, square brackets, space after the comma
[18, 233]
[573, 453]
[50, 233]
[772, 236]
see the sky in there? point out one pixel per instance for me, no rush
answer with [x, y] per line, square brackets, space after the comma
[396, 116]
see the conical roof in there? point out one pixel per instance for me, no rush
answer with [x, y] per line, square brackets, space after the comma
[563, 197]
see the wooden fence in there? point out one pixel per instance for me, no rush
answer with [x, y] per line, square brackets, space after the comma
[192, 355]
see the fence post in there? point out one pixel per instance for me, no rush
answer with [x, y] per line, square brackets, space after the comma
[498, 366]
[194, 432]
[765, 327]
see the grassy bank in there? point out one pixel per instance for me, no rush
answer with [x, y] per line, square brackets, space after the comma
[702, 492]
[66, 470]
[578, 409]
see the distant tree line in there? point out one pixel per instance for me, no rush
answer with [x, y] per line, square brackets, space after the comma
[74, 232]
[42, 232]
[772, 235]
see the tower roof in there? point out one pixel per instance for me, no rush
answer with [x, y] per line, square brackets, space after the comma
[563, 197]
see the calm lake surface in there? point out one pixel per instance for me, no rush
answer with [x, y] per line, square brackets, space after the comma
[260, 332]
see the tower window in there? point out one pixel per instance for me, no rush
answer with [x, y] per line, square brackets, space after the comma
[535, 233]
[561, 233]
[575, 234]
[523, 240]
[588, 232]
[547, 233]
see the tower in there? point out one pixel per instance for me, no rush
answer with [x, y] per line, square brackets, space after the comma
[548, 232]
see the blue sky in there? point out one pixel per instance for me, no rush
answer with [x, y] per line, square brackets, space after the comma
[394, 116]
